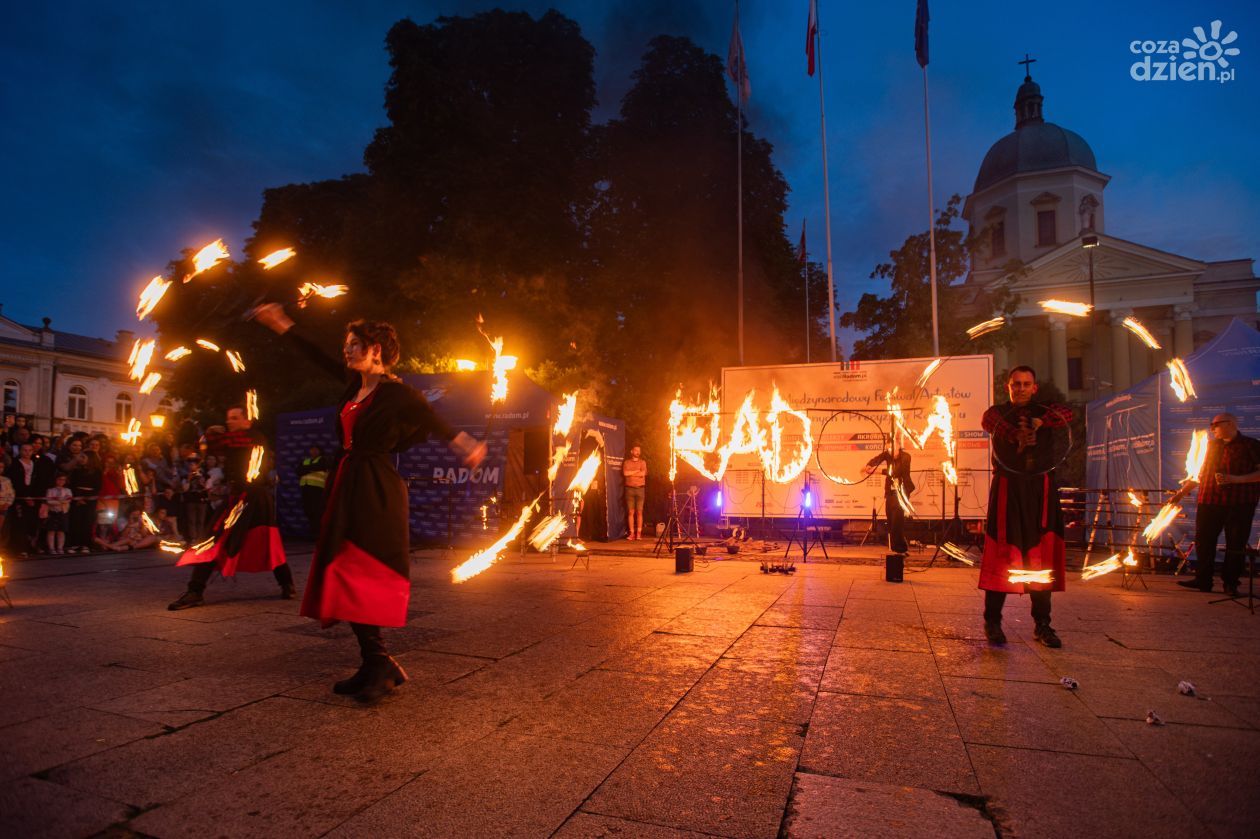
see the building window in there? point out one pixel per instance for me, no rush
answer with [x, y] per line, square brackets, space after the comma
[122, 409]
[1045, 228]
[76, 403]
[11, 392]
[1076, 373]
[997, 239]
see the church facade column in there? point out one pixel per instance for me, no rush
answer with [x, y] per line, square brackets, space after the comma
[1001, 360]
[1183, 331]
[1058, 352]
[1120, 375]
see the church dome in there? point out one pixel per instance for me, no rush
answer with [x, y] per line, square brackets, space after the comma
[1035, 145]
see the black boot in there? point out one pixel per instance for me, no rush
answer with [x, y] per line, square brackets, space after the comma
[1045, 633]
[383, 675]
[187, 600]
[993, 632]
[356, 683]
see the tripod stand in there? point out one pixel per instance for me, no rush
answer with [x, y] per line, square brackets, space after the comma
[804, 531]
[951, 530]
[688, 517]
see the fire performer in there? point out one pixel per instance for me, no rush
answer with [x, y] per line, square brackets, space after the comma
[360, 571]
[896, 473]
[245, 536]
[1024, 529]
[1229, 488]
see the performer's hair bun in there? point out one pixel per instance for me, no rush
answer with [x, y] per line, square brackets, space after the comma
[377, 332]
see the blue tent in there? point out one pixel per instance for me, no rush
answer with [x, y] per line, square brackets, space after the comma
[1138, 438]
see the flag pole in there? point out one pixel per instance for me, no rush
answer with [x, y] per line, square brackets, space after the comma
[927, 125]
[739, 187]
[831, 282]
[805, 278]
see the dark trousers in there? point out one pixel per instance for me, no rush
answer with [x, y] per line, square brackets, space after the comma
[202, 571]
[313, 507]
[896, 525]
[82, 521]
[995, 600]
[1235, 520]
[370, 641]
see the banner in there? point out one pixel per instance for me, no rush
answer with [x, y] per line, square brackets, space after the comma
[847, 407]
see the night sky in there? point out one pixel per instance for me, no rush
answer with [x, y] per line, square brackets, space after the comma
[133, 129]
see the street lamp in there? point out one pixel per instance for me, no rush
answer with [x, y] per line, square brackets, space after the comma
[1089, 241]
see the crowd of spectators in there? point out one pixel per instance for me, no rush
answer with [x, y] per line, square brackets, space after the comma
[66, 493]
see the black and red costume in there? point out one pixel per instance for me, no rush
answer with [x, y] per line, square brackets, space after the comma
[252, 543]
[360, 571]
[1228, 508]
[1024, 528]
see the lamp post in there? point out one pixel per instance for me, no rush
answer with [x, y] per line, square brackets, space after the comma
[1089, 241]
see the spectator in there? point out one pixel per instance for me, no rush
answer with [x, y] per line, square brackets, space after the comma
[29, 492]
[111, 492]
[56, 514]
[6, 498]
[133, 537]
[85, 481]
[195, 501]
[312, 475]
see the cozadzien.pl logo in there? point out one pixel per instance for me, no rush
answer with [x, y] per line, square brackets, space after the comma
[1202, 58]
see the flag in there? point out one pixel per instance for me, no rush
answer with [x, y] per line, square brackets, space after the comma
[735, 66]
[811, 33]
[800, 251]
[921, 33]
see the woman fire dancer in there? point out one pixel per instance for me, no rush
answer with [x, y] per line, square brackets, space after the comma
[360, 569]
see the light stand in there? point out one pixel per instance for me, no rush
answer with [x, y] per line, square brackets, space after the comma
[804, 531]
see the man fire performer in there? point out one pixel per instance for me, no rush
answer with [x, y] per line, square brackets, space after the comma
[1229, 487]
[896, 474]
[245, 536]
[360, 571]
[634, 474]
[1024, 528]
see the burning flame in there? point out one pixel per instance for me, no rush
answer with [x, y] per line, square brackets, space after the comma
[1180, 380]
[1196, 454]
[928, 371]
[202, 545]
[255, 464]
[565, 414]
[1134, 499]
[1129, 559]
[149, 298]
[150, 382]
[902, 499]
[548, 531]
[251, 405]
[954, 552]
[1135, 326]
[177, 353]
[557, 458]
[308, 290]
[207, 345]
[1161, 521]
[149, 524]
[1111, 563]
[465, 364]
[502, 364]
[275, 258]
[577, 545]
[585, 474]
[171, 547]
[950, 473]
[234, 516]
[691, 439]
[940, 421]
[772, 458]
[482, 560]
[130, 485]
[132, 435]
[208, 257]
[234, 358]
[141, 355]
[985, 327]
[1066, 307]
[1023, 575]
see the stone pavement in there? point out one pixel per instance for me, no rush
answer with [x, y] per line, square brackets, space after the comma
[626, 701]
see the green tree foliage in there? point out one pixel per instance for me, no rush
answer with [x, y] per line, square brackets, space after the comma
[900, 325]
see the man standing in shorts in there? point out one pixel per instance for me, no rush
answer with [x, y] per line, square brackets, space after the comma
[634, 472]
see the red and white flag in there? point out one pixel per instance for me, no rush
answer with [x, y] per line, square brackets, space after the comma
[811, 33]
[736, 68]
[801, 253]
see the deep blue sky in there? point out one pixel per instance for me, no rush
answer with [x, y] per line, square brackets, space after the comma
[129, 130]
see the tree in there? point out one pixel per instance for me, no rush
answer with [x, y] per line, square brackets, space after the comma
[900, 325]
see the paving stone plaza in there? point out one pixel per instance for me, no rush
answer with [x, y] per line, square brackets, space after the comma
[624, 700]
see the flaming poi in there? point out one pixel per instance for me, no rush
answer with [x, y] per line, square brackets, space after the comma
[1160, 523]
[1196, 455]
[483, 559]
[178, 353]
[208, 257]
[149, 524]
[985, 327]
[275, 258]
[141, 356]
[251, 405]
[928, 371]
[954, 552]
[132, 435]
[150, 382]
[149, 298]
[1031, 575]
[307, 291]
[130, 485]
[255, 464]
[548, 531]
[1180, 381]
[1066, 307]
[1098, 569]
[1135, 326]
[234, 516]
[207, 344]
[234, 359]
[171, 547]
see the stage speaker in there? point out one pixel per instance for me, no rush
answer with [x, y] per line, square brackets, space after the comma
[536, 459]
[894, 568]
[683, 562]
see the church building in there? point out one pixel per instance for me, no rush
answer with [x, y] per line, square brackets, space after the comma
[1040, 214]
